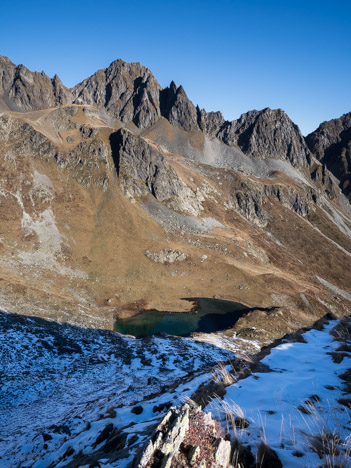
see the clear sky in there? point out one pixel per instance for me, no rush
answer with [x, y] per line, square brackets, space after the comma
[230, 55]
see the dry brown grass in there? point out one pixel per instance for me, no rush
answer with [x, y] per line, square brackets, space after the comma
[105, 236]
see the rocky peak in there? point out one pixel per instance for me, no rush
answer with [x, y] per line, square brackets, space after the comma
[128, 91]
[268, 133]
[5, 62]
[331, 143]
[24, 90]
[177, 108]
[329, 133]
[210, 122]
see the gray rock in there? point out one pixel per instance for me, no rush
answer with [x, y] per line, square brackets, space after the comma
[171, 220]
[223, 450]
[166, 256]
[22, 90]
[177, 108]
[143, 170]
[249, 198]
[171, 438]
[128, 91]
[260, 134]
[177, 431]
[210, 122]
[331, 144]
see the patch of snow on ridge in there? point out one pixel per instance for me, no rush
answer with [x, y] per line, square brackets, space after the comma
[294, 401]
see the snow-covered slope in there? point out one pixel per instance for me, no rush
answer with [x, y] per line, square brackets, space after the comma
[299, 404]
[67, 393]
[75, 397]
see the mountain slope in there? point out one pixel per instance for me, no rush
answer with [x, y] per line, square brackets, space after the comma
[92, 192]
[75, 397]
[65, 385]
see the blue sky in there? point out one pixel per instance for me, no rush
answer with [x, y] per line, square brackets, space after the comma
[229, 55]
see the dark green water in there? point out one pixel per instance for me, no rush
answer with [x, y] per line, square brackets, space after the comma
[212, 315]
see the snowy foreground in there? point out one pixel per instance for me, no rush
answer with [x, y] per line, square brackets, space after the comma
[293, 405]
[62, 386]
[73, 397]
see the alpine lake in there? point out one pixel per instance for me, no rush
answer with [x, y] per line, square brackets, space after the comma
[208, 315]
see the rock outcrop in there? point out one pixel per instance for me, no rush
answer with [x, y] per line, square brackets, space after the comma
[128, 91]
[86, 162]
[323, 178]
[22, 90]
[144, 170]
[186, 437]
[166, 256]
[260, 134]
[331, 144]
[251, 199]
[177, 108]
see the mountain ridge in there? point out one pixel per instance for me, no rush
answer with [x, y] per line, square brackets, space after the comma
[130, 92]
[92, 193]
[143, 102]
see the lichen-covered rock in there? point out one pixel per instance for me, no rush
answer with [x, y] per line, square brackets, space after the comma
[166, 256]
[223, 450]
[176, 433]
[186, 437]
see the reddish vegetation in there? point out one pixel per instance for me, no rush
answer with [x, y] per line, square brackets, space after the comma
[200, 435]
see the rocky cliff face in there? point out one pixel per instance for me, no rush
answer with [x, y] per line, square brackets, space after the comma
[128, 91]
[260, 134]
[331, 143]
[144, 170]
[22, 90]
[177, 108]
